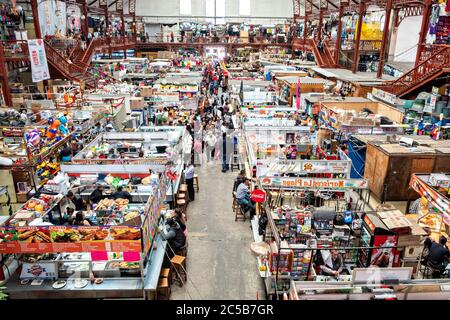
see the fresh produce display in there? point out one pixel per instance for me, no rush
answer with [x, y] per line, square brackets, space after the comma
[32, 209]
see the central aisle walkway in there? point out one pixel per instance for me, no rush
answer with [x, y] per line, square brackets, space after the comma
[220, 264]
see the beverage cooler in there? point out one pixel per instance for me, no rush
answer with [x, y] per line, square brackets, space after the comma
[374, 233]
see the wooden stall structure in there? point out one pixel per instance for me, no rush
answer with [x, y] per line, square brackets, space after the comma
[359, 104]
[288, 86]
[389, 164]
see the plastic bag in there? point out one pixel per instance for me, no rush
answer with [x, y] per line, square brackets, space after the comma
[260, 248]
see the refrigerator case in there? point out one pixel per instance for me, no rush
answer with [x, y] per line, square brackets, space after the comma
[375, 234]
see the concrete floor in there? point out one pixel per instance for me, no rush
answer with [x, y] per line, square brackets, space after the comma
[220, 264]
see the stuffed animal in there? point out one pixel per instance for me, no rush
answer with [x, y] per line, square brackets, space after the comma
[52, 131]
[63, 126]
[33, 138]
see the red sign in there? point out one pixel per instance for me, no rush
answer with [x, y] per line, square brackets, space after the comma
[69, 239]
[258, 195]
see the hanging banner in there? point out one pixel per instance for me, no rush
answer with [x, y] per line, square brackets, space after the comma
[264, 167]
[69, 239]
[38, 59]
[314, 183]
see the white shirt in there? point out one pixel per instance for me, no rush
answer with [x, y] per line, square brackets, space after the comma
[189, 172]
[242, 191]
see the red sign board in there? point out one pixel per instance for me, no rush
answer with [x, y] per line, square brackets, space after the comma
[258, 195]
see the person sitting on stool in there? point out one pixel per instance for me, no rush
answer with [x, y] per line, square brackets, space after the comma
[438, 257]
[174, 234]
[243, 197]
[333, 263]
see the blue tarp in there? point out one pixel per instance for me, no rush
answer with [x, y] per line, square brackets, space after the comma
[357, 153]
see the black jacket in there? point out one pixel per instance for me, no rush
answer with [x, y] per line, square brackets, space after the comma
[175, 236]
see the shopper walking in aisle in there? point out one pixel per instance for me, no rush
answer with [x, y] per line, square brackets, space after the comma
[210, 144]
[189, 177]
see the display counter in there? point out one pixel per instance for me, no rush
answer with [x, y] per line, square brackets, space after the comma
[154, 268]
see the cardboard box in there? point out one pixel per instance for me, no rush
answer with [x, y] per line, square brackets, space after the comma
[396, 221]
[25, 215]
[137, 102]
[413, 252]
[408, 240]
[22, 197]
[146, 91]
[135, 222]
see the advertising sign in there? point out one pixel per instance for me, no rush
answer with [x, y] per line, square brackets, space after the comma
[258, 195]
[38, 59]
[69, 239]
[303, 166]
[315, 183]
[41, 270]
[384, 96]
[384, 255]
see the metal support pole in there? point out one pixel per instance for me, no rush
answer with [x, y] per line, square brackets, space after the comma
[319, 31]
[339, 37]
[387, 22]
[423, 29]
[305, 30]
[4, 79]
[358, 36]
[86, 22]
[37, 27]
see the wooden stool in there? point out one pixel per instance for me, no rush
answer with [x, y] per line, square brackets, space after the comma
[182, 205]
[184, 189]
[181, 195]
[163, 288]
[235, 162]
[166, 273]
[196, 186]
[238, 214]
[179, 269]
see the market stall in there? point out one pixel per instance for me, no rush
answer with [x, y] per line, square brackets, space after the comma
[288, 87]
[361, 117]
[391, 160]
[129, 154]
[276, 142]
[434, 208]
[372, 284]
[59, 260]
[305, 216]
